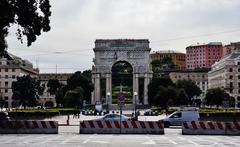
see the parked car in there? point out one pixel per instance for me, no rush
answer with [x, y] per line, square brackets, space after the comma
[4, 116]
[149, 112]
[178, 117]
[113, 117]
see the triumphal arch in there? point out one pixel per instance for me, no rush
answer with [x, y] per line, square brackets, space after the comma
[110, 51]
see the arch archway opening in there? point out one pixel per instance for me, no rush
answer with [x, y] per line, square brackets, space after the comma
[122, 80]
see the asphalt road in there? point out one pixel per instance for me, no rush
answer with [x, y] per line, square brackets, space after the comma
[68, 136]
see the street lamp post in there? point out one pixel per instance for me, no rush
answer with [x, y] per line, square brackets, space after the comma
[135, 103]
[108, 97]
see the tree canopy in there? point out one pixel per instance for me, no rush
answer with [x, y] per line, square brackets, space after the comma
[25, 90]
[215, 96]
[53, 85]
[190, 88]
[79, 80]
[73, 98]
[30, 16]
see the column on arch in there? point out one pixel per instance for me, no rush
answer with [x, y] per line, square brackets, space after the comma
[97, 88]
[109, 87]
[93, 93]
[135, 87]
[146, 82]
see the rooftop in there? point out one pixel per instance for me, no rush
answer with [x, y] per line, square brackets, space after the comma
[203, 44]
[166, 52]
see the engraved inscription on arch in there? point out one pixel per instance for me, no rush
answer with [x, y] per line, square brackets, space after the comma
[135, 55]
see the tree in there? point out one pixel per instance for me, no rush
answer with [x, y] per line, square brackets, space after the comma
[154, 85]
[182, 98]
[30, 16]
[25, 90]
[53, 85]
[73, 98]
[190, 88]
[78, 79]
[214, 96]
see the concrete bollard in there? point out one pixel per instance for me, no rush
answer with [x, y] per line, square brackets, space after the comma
[28, 127]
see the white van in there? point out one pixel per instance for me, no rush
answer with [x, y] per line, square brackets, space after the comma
[178, 117]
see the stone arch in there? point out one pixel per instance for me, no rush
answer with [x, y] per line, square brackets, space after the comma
[109, 52]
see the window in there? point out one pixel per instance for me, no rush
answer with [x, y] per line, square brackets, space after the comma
[13, 70]
[13, 76]
[231, 84]
[238, 98]
[176, 115]
[6, 90]
[6, 70]
[230, 77]
[6, 97]
[230, 69]
[238, 69]
[6, 76]
[6, 84]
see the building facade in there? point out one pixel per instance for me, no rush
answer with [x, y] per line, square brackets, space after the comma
[203, 55]
[232, 47]
[225, 74]
[200, 78]
[12, 67]
[177, 58]
[44, 78]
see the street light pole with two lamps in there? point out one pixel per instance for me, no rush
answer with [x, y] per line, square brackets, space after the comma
[107, 99]
[135, 103]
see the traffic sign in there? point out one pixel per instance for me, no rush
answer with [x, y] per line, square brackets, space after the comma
[121, 98]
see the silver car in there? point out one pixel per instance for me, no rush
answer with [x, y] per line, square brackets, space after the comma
[113, 117]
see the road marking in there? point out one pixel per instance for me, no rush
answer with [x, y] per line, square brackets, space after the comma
[88, 139]
[150, 141]
[193, 142]
[224, 140]
[173, 142]
[103, 142]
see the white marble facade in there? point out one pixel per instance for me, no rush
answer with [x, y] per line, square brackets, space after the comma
[110, 51]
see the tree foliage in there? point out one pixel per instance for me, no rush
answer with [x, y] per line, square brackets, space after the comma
[163, 64]
[73, 98]
[79, 80]
[30, 16]
[163, 92]
[155, 85]
[190, 88]
[25, 90]
[215, 96]
[53, 85]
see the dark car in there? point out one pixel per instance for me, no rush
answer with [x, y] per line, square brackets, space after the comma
[4, 116]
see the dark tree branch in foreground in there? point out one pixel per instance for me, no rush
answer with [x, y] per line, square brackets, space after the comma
[30, 16]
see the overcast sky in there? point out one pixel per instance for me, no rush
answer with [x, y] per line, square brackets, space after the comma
[168, 24]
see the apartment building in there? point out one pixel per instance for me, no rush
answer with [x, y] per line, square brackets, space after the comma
[225, 74]
[12, 67]
[177, 58]
[203, 55]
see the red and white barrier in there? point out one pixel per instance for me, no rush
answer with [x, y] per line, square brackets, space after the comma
[210, 128]
[28, 127]
[124, 127]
